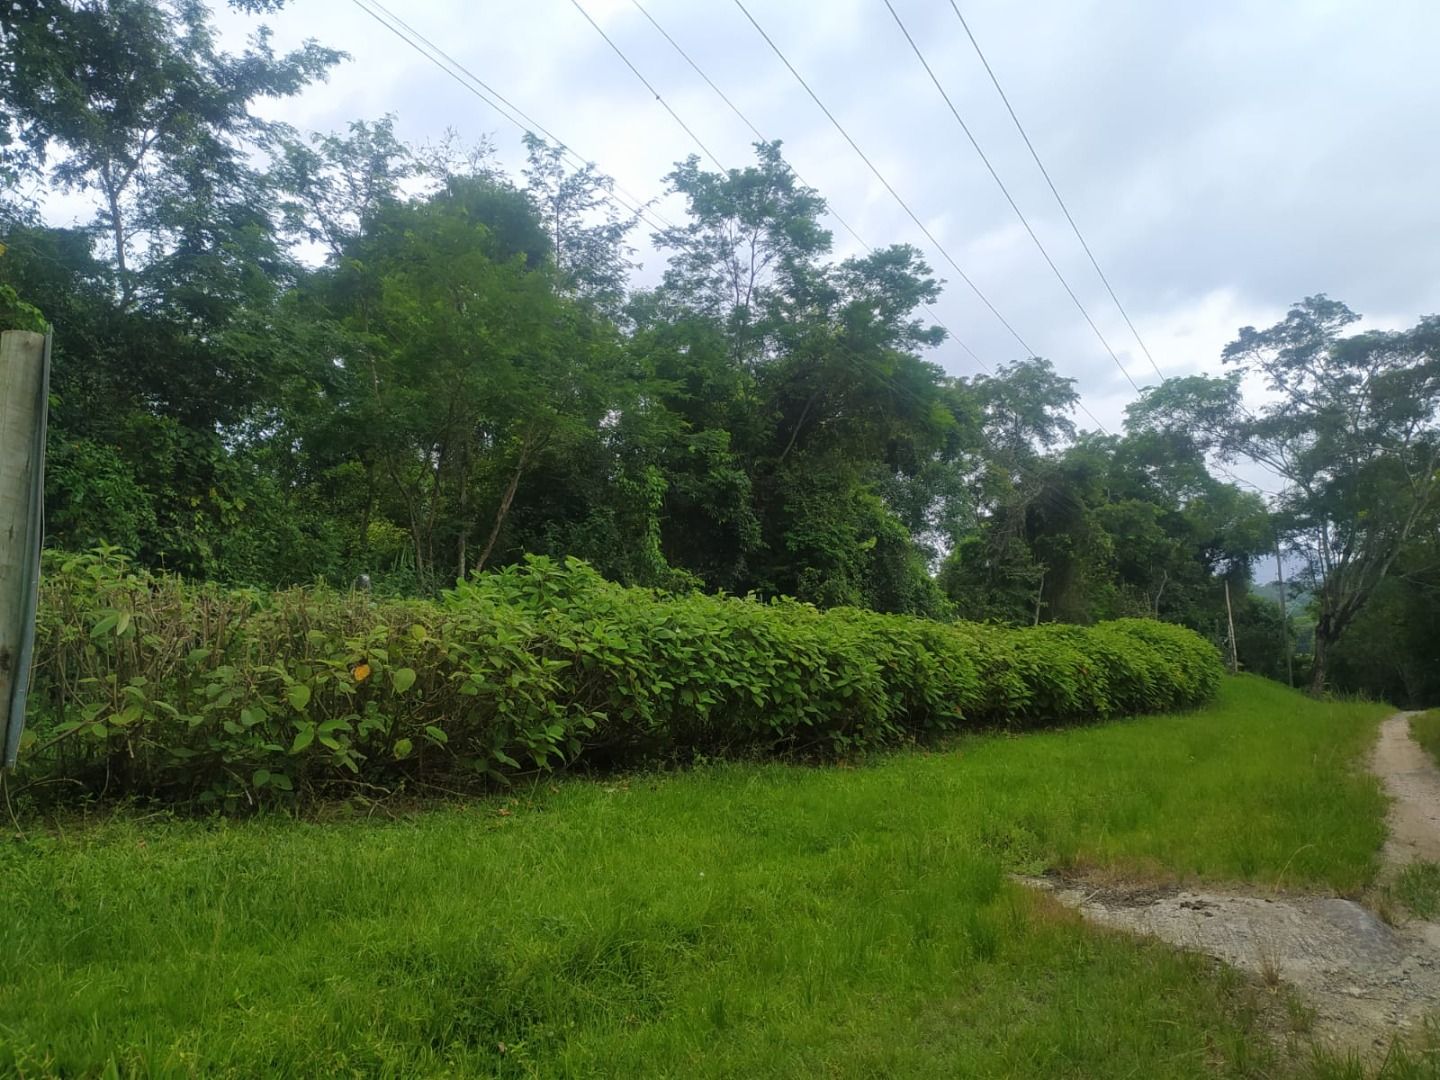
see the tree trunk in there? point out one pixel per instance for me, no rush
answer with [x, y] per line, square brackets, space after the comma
[464, 499]
[504, 509]
[117, 237]
[1317, 670]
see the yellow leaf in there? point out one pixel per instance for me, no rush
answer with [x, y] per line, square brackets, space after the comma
[361, 672]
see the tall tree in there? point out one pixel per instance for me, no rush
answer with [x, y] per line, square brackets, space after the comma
[587, 232]
[1353, 427]
[466, 363]
[131, 101]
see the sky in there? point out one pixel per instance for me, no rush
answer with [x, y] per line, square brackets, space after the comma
[1223, 159]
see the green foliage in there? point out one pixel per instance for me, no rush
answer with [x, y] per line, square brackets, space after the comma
[471, 378]
[1391, 649]
[16, 314]
[149, 686]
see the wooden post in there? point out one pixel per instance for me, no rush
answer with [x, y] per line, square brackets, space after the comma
[1230, 620]
[24, 392]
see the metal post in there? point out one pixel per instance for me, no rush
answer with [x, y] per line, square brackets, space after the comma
[24, 399]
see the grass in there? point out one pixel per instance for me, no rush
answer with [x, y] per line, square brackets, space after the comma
[1417, 886]
[737, 920]
[1425, 730]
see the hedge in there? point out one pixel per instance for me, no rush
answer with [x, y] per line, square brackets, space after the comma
[150, 686]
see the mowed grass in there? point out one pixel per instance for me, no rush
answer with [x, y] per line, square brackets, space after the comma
[735, 920]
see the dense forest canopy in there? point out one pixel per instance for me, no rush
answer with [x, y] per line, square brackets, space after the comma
[468, 374]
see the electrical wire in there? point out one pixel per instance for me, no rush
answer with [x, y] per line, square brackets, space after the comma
[886, 183]
[1006, 192]
[499, 103]
[994, 79]
[828, 208]
[408, 39]
[646, 83]
[843, 223]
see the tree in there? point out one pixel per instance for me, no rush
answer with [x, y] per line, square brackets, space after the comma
[587, 234]
[465, 363]
[131, 101]
[337, 185]
[161, 297]
[829, 409]
[1352, 429]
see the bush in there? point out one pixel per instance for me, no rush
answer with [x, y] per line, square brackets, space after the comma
[149, 686]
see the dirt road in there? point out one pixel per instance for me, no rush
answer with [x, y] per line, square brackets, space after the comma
[1413, 783]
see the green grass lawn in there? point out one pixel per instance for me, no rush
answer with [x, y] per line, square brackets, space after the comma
[737, 920]
[1425, 729]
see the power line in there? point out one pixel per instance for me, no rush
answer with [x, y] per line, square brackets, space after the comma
[482, 90]
[881, 177]
[844, 224]
[409, 35]
[478, 87]
[733, 107]
[1006, 192]
[646, 82]
[761, 137]
[904, 206]
[1053, 189]
[845, 353]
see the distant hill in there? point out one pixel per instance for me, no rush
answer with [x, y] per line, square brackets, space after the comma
[1295, 601]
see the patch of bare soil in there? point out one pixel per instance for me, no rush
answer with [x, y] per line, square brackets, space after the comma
[1366, 980]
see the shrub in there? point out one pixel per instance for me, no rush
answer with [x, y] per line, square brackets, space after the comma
[149, 686]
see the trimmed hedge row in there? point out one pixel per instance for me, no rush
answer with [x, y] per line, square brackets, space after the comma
[149, 686]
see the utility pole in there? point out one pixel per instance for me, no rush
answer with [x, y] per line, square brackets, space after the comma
[1230, 619]
[24, 401]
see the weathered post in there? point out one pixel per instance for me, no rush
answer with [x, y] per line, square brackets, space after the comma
[24, 391]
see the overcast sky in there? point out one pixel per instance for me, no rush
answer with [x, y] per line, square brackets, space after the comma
[1223, 158]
